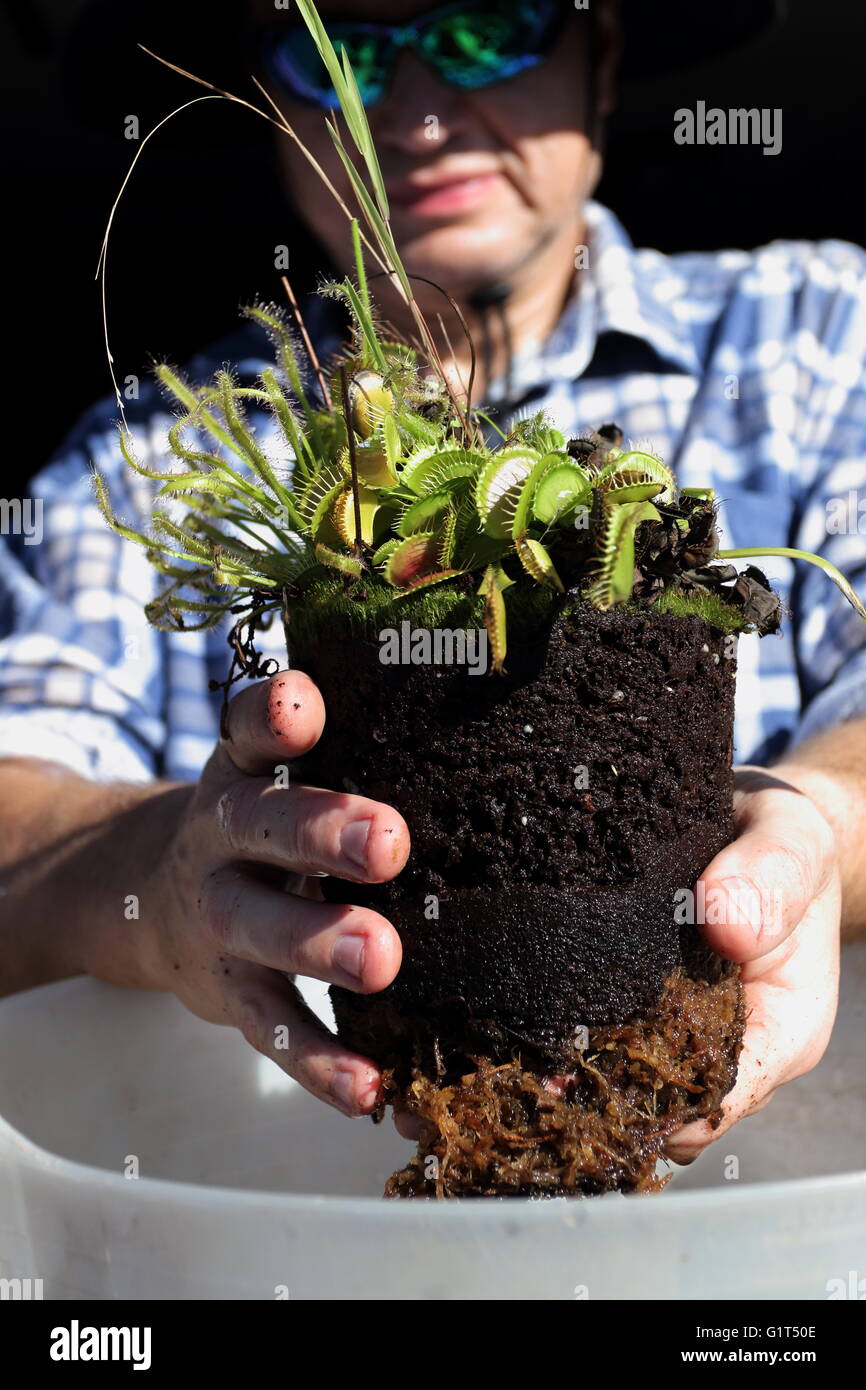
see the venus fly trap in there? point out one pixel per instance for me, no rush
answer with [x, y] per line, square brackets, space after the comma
[386, 479]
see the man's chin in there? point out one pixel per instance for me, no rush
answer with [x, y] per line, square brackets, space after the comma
[457, 259]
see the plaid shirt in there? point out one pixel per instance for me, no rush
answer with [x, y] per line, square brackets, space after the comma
[744, 370]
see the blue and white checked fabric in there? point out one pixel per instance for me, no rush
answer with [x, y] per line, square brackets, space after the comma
[743, 369]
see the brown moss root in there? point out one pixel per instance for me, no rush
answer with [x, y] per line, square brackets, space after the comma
[505, 1126]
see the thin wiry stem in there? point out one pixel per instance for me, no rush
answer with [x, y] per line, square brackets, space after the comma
[281, 124]
[284, 125]
[452, 354]
[102, 264]
[311, 351]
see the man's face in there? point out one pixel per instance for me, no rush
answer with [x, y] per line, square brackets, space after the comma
[477, 181]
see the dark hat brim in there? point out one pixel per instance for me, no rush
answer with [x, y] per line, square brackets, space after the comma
[103, 61]
[676, 34]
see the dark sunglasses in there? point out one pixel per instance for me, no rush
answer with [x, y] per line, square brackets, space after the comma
[469, 46]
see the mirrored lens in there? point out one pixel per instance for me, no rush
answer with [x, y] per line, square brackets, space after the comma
[294, 60]
[483, 44]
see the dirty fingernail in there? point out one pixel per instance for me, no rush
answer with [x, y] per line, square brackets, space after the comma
[348, 956]
[353, 843]
[369, 1096]
[343, 1089]
[682, 1160]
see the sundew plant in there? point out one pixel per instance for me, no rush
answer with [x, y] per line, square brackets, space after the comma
[387, 484]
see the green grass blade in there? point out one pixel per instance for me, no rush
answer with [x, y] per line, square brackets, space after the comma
[360, 268]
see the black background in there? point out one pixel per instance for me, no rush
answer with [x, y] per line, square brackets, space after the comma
[195, 236]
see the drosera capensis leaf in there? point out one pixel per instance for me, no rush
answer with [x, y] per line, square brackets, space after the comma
[127, 449]
[336, 560]
[150, 543]
[271, 320]
[183, 393]
[195, 482]
[397, 483]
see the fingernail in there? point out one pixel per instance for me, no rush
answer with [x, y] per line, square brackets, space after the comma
[683, 1161]
[353, 843]
[348, 956]
[343, 1089]
[369, 1096]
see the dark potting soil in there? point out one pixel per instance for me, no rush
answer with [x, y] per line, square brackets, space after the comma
[554, 813]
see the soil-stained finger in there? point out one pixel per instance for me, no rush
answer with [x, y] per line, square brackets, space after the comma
[271, 723]
[350, 946]
[310, 830]
[272, 1016]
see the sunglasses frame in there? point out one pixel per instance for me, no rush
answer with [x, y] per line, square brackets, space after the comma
[396, 38]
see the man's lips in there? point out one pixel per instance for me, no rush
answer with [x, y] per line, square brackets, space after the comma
[445, 197]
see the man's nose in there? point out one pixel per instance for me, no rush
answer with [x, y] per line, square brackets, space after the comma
[419, 113]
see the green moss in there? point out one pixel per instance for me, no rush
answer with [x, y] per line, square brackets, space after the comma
[701, 603]
[365, 608]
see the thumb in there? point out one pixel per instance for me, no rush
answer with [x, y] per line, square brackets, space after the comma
[756, 890]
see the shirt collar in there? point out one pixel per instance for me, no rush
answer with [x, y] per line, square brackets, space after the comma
[619, 291]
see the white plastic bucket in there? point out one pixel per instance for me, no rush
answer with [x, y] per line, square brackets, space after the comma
[249, 1188]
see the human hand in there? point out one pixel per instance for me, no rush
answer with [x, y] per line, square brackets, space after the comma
[776, 899]
[225, 933]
